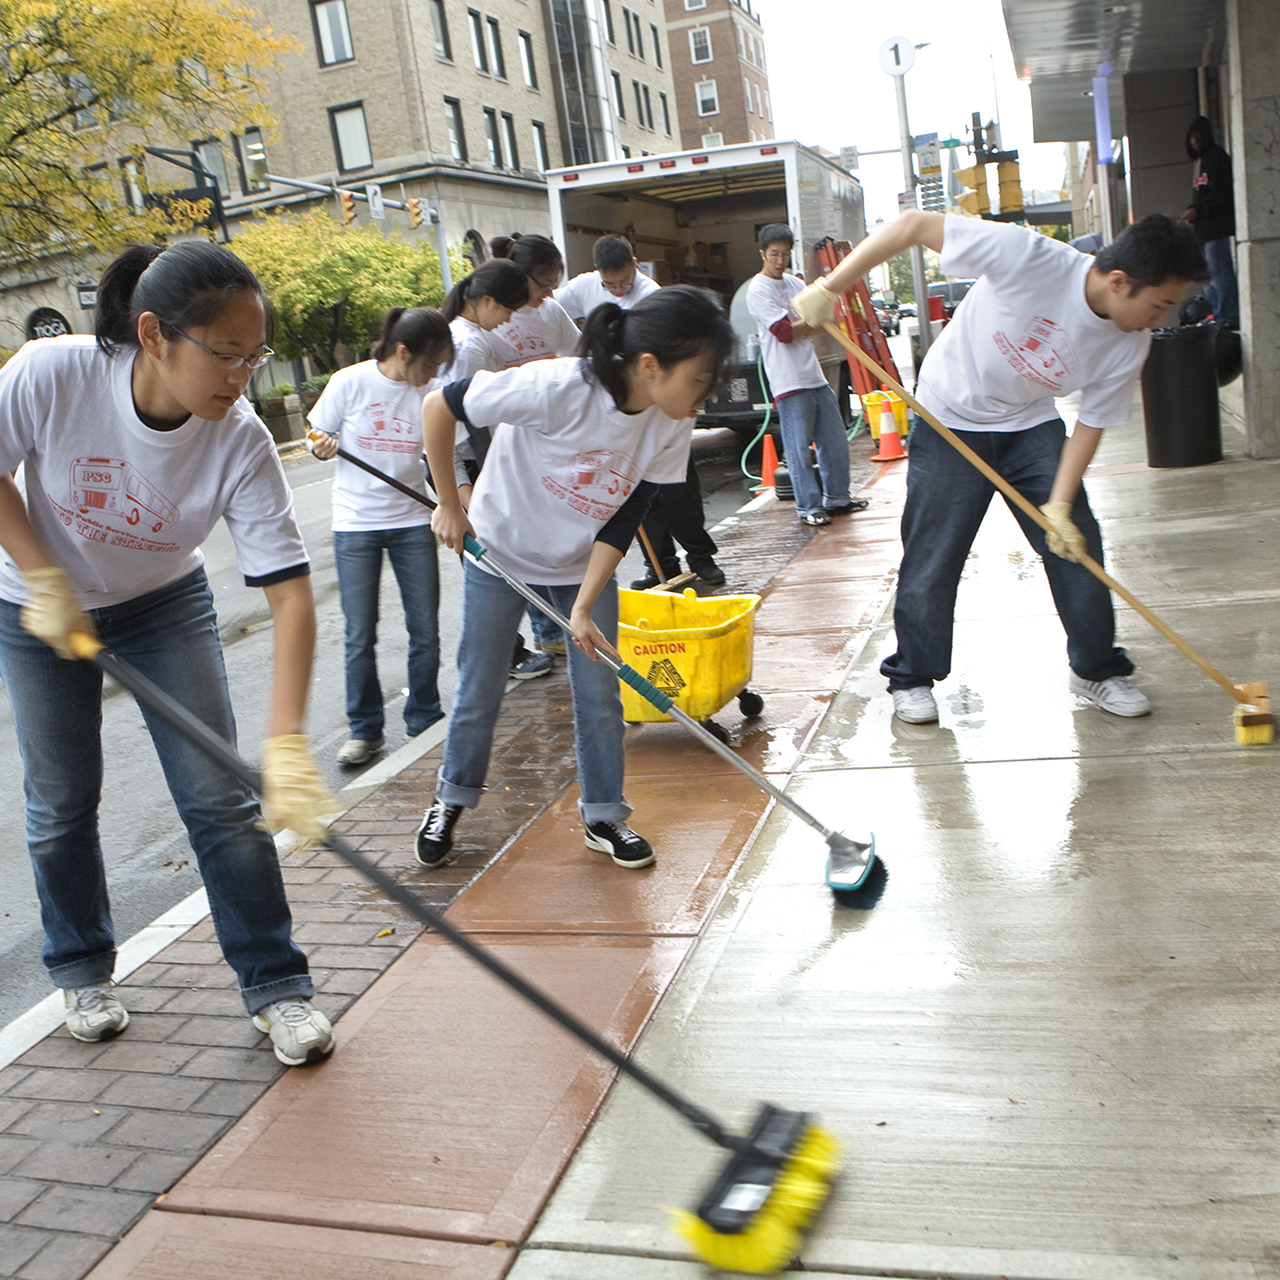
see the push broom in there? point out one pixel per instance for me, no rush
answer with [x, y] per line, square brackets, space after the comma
[854, 873]
[776, 1178]
[1254, 722]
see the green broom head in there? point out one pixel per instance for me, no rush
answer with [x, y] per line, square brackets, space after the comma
[751, 1218]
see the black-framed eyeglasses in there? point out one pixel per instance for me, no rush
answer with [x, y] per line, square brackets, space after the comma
[229, 361]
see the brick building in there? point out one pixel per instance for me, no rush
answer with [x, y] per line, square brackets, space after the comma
[720, 72]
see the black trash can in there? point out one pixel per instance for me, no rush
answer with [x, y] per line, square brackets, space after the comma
[1180, 397]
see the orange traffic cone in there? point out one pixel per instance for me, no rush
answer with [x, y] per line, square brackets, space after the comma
[890, 441]
[770, 464]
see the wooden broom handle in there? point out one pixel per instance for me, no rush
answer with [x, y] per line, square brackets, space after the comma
[1037, 515]
[653, 555]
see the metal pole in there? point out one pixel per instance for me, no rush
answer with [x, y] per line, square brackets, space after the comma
[442, 249]
[917, 253]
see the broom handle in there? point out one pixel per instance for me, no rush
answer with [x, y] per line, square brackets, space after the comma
[1038, 516]
[653, 555]
[221, 751]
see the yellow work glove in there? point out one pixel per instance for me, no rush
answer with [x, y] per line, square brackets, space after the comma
[815, 304]
[52, 610]
[294, 794]
[1064, 539]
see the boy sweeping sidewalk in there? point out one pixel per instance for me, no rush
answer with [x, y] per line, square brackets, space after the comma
[1042, 321]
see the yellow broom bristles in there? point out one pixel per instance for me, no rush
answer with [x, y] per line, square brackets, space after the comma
[772, 1239]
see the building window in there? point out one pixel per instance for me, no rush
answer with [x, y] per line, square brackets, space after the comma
[635, 18]
[708, 101]
[626, 22]
[509, 134]
[700, 44]
[746, 93]
[457, 135]
[440, 29]
[759, 104]
[540, 146]
[350, 136]
[648, 106]
[251, 159]
[760, 55]
[608, 22]
[666, 114]
[768, 107]
[617, 95]
[210, 154]
[626, 153]
[635, 86]
[527, 64]
[478, 54]
[713, 140]
[691, 5]
[742, 48]
[657, 47]
[499, 63]
[333, 36]
[491, 137]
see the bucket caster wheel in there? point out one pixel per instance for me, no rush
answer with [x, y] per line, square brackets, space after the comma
[750, 704]
[717, 731]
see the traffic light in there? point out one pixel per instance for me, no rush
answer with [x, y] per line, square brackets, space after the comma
[415, 212]
[975, 201]
[1010, 178]
[347, 203]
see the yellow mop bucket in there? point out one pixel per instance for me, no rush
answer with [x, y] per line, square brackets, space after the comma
[697, 650]
[874, 404]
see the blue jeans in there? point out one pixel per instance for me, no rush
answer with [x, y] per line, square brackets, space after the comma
[545, 632]
[491, 612]
[947, 497]
[813, 417]
[1222, 292]
[357, 555]
[171, 636]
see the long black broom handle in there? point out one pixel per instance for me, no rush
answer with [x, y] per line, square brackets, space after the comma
[217, 748]
[626, 673]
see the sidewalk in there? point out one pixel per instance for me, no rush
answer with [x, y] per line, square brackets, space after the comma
[1051, 1048]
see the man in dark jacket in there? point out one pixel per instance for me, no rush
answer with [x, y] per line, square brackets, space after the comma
[1212, 213]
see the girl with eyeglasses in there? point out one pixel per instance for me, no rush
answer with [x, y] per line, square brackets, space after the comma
[118, 455]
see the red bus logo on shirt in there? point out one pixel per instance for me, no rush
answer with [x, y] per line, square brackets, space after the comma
[1043, 354]
[117, 489]
[387, 430]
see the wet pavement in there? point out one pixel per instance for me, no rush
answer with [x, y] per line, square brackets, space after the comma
[1051, 1049]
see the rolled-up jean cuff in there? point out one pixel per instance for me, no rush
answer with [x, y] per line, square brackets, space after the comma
[256, 998]
[452, 793]
[615, 811]
[92, 971]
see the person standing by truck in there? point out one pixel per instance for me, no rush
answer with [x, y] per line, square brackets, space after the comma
[1042, 321]
[1212, 216]
[807, 409]
[617, 279]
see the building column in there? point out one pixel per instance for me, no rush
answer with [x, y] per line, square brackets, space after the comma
[1253, 51]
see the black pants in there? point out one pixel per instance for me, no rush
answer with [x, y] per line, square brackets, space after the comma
[676, 515]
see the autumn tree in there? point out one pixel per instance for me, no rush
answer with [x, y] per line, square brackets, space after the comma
[85, 83]
[332, 285]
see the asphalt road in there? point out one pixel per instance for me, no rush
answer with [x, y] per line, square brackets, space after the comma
[150, 864]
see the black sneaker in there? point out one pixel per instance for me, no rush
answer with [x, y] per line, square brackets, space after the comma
[848, 508]
[622, 844]
[707, 570]
[670, 569]
[435, 835]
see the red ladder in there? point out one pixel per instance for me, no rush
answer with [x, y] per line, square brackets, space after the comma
[856, 315]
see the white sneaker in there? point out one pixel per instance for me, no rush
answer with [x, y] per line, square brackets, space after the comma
[94, 1013]
[360, 750]
[299, 1031]
[1116, 695]
[915, 705]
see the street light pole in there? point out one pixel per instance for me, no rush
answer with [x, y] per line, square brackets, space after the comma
[923, 324]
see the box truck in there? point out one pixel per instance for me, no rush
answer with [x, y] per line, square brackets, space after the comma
[693, 217]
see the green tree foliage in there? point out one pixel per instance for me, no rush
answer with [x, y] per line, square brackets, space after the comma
[83, 83]
[332, 285]
[901, 280]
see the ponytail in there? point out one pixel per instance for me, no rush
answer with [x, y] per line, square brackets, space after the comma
[185, 286]
[420, 330]
[535, 254]
[500, 280]
[672, 325]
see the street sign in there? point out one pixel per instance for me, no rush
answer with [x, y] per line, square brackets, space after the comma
[906, 200]
[896, 55]
[948, 143]
[88, 296]
[377, 210]
[928, 155]
[848, 157]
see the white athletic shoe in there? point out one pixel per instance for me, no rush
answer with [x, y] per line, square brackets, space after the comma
[94, 1013]
[915, 705]
[299, 1031]
[360, 750]
[1116, 695]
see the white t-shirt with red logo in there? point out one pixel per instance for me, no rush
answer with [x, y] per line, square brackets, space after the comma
[564, 462]
[791, 366]
[123, 508]
[584, 293]
[535, 333]
[1023, 335]
[380, 422]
